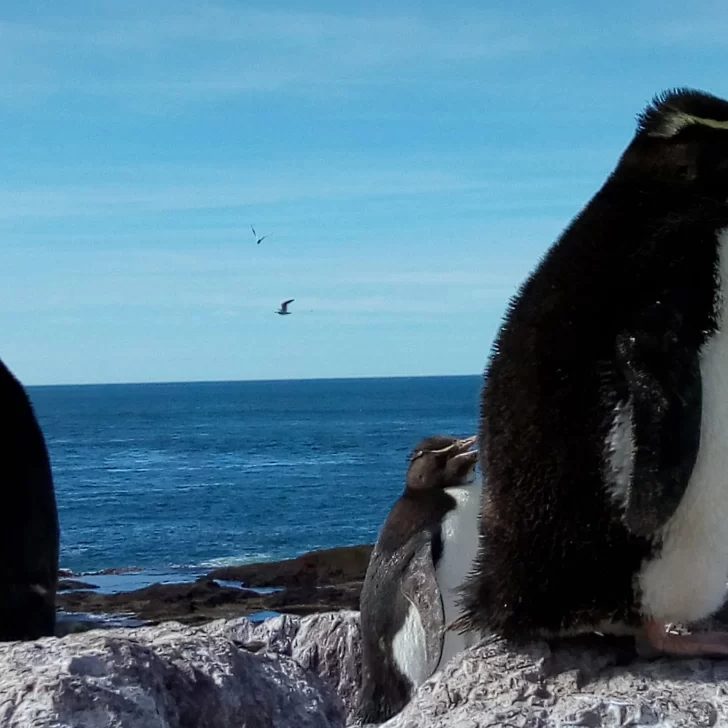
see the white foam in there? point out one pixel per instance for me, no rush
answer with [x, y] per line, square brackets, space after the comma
[239, 560]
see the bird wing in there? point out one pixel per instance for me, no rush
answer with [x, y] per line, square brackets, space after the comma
[395, 581]
[253, 229]
[284, 305]
[260, 240]
[419, 587]
[656, 426]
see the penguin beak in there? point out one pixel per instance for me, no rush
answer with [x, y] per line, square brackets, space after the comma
[463, 464]
[458, 447]
[466, 443]
[463, 452]
[470, 456]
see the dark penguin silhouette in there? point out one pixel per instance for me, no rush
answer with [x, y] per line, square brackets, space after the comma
[426, 544]
[29, 536]
[604, 419]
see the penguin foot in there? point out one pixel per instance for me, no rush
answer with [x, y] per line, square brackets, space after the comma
[656, 640]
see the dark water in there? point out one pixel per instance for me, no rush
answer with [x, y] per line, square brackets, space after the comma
[172, 476]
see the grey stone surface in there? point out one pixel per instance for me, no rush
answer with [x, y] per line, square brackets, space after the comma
[493, 684]
[283, 673]
[168, 676]
[326, 643]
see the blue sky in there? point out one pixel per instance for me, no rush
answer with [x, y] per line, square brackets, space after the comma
[411, 162]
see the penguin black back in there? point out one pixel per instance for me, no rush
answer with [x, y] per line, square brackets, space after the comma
[626, 289]
[29, 536]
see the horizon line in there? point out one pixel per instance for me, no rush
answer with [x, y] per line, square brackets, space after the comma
[246, 381]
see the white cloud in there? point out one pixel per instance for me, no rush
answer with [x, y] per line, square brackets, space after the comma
[198, 189]
[192, 50]
[39, 201]
[151, 55]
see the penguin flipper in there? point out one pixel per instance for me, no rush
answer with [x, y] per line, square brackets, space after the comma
[663, 410]
[419, 587]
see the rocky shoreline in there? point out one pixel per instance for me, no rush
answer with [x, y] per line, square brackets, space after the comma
[318, 581]
[199, 660]
[304, 672]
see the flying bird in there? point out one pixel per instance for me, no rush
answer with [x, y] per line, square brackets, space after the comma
[283, 310]
[258, 240]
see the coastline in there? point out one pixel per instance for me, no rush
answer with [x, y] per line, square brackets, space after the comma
[316, 581]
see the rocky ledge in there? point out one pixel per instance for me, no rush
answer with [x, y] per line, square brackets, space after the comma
[570, 684]
[221, 675]
[341, 565]
[293, 672]
[318, 581]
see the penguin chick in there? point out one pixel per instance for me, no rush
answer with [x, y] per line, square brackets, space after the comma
[421, 556]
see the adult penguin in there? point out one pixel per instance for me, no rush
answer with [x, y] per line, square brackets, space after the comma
[604, 420]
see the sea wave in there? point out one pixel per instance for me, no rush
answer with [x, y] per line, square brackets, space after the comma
[253, 463]
[67, 620]
[238, 560]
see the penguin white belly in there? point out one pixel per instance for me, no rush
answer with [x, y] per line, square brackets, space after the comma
[460, 529]
[687, 581]
[409, 648]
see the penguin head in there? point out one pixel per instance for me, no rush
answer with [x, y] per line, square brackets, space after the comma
[681, 142]
[440, 462]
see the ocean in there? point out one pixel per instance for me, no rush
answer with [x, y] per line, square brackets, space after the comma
[180, 478]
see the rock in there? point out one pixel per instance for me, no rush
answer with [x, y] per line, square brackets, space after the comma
[169, 676]
[271, 635]
[285, 671]
[205, 600]
[189, 602]
[311, 599]
[115, 570]
[587, 683]
[74, 622]
[316, 568]
[69, 584]
[328, 644]
[318, 581]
